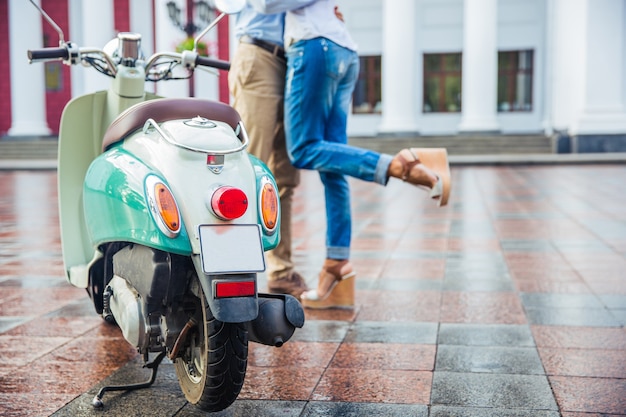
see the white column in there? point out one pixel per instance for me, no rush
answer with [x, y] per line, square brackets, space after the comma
[480, 66]
[141, 22]
[167, 37]
[28, 100]
[604, 91]
[400, 73]
[97, 28]
[568, 58]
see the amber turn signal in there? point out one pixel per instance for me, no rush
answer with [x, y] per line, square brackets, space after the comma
[269, 206]
[167, 208]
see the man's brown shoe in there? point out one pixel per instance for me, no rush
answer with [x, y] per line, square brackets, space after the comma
[292, 284]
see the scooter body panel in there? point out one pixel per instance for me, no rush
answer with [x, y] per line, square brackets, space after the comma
[192, 181]
[116, 208]
[83, 122]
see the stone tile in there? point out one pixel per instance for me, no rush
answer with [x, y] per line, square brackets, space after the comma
[579, 337]
[476, 284]
[590, 395]
[392, 332]
[7, 322]
[603, 285]
[408, 357]
[374, 386]
[443, 411]
[414, 268]
[492, 261]
[481, 307]
[248, 408]
[22, 350]
[620, 316]
[334, 314]
[96, 351]
[542, 286]
[588, 317]
[599, 363]
[557, 301]
[54, 326]
[321, 331]
[387, 284]
[613, 301]
[25, 282]
[418, 306]
[475, 228]
[533, 245]
[292, 354]
[32, 404]
[280, 383]
[492, 391]
[355, 409]
[549, 272]
[36, 302]
[488, 359]
[465, 245]
[485, 335]
[81, 307]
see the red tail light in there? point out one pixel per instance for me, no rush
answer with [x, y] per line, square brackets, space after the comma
[229, 203]
[234, 289]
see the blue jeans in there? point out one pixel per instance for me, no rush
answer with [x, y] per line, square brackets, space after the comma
[320, 79]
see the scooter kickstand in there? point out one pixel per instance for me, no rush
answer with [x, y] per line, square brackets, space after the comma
[154, 365]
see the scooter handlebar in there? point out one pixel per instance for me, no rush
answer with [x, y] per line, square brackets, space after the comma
[213, 63]
[47, 54]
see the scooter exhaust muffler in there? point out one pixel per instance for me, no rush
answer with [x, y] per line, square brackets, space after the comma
[279, 315]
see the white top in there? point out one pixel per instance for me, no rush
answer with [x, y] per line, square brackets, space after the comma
[317, 20]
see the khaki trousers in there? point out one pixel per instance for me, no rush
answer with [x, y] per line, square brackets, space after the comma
[257, 81]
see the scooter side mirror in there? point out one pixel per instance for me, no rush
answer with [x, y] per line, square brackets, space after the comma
[53, 23]
[230, 6]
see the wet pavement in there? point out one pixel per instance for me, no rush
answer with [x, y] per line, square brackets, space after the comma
[511, 301]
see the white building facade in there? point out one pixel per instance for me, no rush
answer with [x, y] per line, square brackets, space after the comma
[428, 67]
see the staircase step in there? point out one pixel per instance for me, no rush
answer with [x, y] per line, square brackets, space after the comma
[456, 145]
[28, 149]
[461, 145]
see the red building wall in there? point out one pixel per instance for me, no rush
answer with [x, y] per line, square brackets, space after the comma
[5, 70]
[223, 49]
[121, 15]
[58, 81]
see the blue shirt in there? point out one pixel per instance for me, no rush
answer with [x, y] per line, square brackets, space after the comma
[265, 19]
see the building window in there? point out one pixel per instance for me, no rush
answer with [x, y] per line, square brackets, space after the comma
[367, 93]
[515, 81]
[442, 83]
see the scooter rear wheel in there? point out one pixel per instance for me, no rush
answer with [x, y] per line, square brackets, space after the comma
[212, 368]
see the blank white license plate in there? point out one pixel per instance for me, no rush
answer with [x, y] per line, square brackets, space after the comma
[231, 248]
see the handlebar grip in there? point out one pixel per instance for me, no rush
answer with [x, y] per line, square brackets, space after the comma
[214, 63]
[47, 54]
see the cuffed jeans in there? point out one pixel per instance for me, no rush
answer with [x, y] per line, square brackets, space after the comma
[320, 79]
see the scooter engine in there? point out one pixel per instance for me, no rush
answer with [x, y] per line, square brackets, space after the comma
[125, 304]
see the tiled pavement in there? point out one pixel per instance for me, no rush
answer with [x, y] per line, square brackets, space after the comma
[509, 302]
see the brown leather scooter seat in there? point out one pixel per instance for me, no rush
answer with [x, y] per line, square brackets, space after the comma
[164, 109]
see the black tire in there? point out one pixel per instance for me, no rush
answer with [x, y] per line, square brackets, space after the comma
[212, 368]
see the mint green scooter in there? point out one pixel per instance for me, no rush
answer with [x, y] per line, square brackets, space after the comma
[165, 218]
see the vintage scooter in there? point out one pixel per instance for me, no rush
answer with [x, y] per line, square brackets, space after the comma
[165, 218]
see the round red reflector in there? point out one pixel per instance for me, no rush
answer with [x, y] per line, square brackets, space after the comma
[229, 203]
